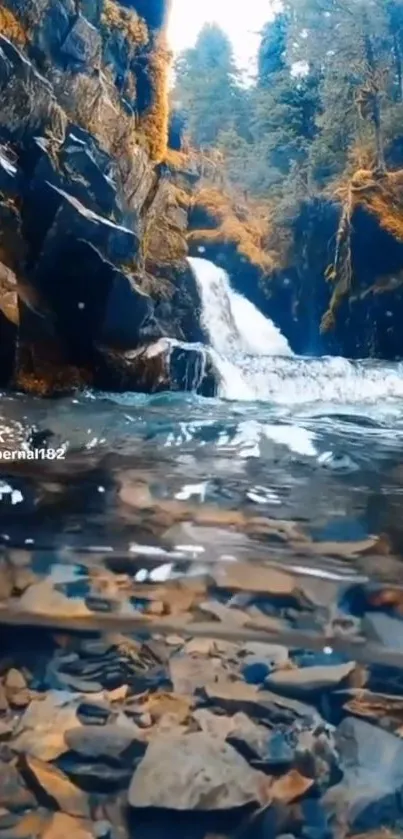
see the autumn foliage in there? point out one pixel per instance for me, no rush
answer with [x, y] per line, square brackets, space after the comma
[11, 28]
[115, 16]
[231, 221]
[154, 122]
[380, 195]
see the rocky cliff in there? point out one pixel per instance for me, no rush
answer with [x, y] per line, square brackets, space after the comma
[92, 234]
[332, 278]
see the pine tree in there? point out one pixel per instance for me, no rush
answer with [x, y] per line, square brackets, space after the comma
[207, 87]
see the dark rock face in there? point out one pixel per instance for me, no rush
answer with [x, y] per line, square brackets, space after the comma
[368, 321]
[81, 201]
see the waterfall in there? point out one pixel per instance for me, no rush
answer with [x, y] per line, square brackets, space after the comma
[239, 333]
[254, 360]
[233, 323]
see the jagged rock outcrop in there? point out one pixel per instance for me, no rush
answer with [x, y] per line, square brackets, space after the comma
[92, 237]
[337, 285]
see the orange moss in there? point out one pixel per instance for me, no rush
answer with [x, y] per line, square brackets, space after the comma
[11, 28]
[183, 198]
[49, 380]
[154, 122]
[115, 16]
[183, 161]
[243, 224]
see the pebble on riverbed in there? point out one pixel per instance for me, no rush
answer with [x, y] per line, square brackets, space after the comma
[163, 719]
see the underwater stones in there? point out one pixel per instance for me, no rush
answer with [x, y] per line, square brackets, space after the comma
[6, 579]
[44, 599]
[110, 741]
[41, 730]
[62, 826]
[300, 681]
[193, 772]
[53, 787]
[14, 795]
[370, 792]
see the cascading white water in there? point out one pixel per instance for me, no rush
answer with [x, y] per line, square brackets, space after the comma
[254, 360]
[238, 331]
[233, 323]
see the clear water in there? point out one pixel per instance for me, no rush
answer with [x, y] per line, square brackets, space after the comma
[319, 446]
[302, 472]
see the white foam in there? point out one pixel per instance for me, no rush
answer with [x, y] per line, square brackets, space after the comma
[254, 360]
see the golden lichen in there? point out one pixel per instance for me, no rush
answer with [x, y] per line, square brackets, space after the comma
[11, 28]
[182, 198]
[154, 121]
[244, 224]
[98, 110]
[49, 380]
[181, 161]
[115, 16]
[381, 196]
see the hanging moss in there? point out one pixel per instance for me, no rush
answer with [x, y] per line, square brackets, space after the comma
[154, 12]
[155, 119]
[242, 224]
[380, 195]
[180, 161]
[115, 16]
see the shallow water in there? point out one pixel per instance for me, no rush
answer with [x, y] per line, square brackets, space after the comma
[186, 476]
[174, 531]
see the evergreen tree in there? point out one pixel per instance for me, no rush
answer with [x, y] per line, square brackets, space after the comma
[207, 87]
[328, 95]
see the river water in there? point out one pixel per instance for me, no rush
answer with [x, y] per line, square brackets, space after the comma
[295, 467]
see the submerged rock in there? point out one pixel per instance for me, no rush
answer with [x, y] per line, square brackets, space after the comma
[107, 741]
[370, 792]
[193, 772]
[54, 787]
[61, 825]
[42, 728]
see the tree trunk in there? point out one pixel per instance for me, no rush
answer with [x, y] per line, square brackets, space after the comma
[374, 99]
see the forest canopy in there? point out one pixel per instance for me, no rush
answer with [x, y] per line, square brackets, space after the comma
[326, 100]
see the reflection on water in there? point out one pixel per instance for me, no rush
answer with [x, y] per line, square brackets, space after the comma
[225, 549]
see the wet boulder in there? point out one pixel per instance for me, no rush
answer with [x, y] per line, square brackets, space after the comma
[163, 366]
[369, 795]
